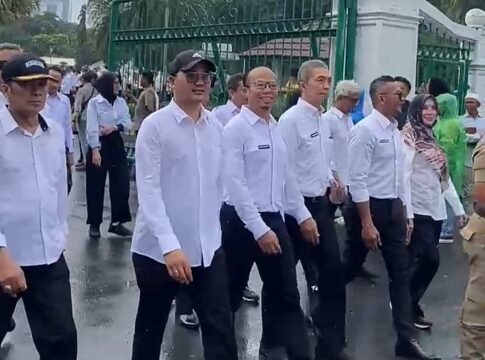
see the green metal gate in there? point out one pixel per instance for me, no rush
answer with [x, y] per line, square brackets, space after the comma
[236, 34]
[445, 57]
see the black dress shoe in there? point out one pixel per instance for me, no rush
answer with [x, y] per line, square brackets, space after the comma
[411, 349]
[120, 230]
[94, 232]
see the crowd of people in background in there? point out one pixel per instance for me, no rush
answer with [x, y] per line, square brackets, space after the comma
[222, 189]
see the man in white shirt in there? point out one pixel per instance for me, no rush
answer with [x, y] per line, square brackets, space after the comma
[309, 151]
[260, 188]
[472, 118]
[33, 213]
[238, 97]
[376, 212]
[340, 123]
[177, 238]
[68, 84]
[7, 51]
[58, 108]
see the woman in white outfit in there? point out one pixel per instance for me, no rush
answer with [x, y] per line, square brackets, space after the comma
[430, 187]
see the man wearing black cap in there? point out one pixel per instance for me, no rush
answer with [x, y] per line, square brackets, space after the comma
[33, 221]
[177, 238]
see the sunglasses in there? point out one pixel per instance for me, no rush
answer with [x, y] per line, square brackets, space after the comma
[193, 77]
[2, 64]
[261, 85]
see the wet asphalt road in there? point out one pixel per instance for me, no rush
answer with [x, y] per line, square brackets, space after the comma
[105, 300]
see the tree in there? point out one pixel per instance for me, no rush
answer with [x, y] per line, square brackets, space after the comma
[11, 10]
[457, 9]
[45, 35]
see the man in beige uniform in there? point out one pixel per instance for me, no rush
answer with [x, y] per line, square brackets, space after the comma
[472, 320]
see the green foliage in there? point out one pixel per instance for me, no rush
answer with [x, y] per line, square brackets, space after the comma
[11, 10]
[457, 9]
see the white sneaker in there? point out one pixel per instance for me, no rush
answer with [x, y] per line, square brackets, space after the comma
[7, 340]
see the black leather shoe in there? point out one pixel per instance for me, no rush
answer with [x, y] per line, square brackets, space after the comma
[411, 349]
[94, 232]
[120, 230]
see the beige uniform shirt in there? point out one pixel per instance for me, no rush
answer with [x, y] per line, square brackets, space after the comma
[476, 225]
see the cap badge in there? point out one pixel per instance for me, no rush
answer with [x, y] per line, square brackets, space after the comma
[31, 63]
[197, 55]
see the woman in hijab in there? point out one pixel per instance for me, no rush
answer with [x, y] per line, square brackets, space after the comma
[107, 118]
[428, 179]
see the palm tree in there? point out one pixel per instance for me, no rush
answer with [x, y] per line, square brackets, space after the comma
[11, 10]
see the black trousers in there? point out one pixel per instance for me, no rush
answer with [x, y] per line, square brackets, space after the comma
[183, 302]
[48, 305]
[114, 163]
[329, 315]
[389, 219]
[282, 316]
[424, 257]
[211, 302]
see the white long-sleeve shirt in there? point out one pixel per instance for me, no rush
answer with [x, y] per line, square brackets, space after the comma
[33, 191]
[226, 112]
[426, 197]
[308, 147]
[58, 108]
[376, 166]
[101, 112]
[179, 182]
[339, 126]
[257, 175]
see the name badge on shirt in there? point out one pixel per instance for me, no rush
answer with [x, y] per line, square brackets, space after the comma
[385, 141]
[315, 134]
[263, 147]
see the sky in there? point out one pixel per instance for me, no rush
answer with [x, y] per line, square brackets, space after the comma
[76, 8]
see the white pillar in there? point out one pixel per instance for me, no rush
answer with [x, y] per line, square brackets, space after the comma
[476, 77]
[387, 40]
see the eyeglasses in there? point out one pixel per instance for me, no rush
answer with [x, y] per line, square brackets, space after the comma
[261, 85]
[193, 77]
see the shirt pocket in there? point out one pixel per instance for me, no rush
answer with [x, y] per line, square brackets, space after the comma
[385, 147]
[310, 142]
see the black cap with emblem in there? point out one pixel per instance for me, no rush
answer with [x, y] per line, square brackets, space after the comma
[25, 67]
[186, 60]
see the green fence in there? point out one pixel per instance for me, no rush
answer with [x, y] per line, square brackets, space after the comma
[440, 55]
[236, 34]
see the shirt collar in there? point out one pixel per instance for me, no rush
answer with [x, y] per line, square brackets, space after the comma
[305, 104]
[9, 124]
[252, 118]
[468, 116]
[233, 108]
[181, 115]
[3, 99]
[337, 112]
[382, 120]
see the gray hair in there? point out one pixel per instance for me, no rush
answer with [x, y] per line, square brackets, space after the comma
[9, 46]
[345, 88]
[308, 66]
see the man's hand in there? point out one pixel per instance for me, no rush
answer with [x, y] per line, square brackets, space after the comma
[96, 158]
[462, 220]
[12, 279]
[409, 230]
[178, 267]
[309, 231]
[269, 244]
[106, 130]
[371, 236]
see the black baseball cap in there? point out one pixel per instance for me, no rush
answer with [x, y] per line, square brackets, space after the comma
[25, 67]
[186, 60]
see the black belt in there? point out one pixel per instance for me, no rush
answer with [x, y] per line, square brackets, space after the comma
[314, 199]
